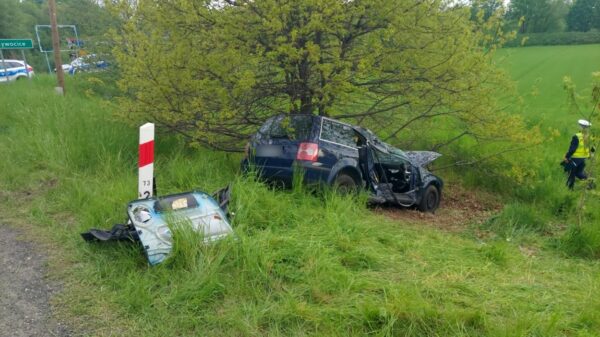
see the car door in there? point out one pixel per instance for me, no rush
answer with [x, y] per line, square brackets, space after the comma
[337, 142]
[398, 170]
[4, 71]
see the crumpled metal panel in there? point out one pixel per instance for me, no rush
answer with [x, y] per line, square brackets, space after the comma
[198, 209]
[422, 158]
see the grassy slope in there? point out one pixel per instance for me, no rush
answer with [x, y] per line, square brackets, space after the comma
[301, 265]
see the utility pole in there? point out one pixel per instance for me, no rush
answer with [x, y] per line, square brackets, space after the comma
[60, 75]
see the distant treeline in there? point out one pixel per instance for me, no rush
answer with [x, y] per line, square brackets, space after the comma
[557, 38]
[545, 22]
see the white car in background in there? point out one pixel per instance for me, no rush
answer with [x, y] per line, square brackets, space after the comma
[87, 63]
[12, 70]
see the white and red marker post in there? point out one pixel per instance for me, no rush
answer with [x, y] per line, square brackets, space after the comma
[146, 161]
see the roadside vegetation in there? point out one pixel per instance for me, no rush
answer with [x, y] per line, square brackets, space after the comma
[521, 260]
[556, 85]
[428, 82]
[301, 263]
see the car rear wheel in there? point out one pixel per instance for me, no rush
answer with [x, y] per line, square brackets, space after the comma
[431, 199]
[345, 184]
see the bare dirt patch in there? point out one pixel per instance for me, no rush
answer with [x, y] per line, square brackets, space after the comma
[25, 309]
[459, 207]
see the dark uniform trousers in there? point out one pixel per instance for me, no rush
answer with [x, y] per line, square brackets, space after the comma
[576, 172]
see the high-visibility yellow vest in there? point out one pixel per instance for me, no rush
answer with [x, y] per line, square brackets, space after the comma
[583, 149]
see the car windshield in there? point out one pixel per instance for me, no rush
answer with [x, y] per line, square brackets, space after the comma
[379, 144]
[296, 127]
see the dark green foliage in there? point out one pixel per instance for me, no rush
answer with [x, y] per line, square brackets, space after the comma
[538, 15]
[552, 39]
[91, 19]
[397, 67]
[488, 7]
[584, 15]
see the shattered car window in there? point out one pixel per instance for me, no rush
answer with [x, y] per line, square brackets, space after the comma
[389, 158]
[337, 133]
[263, 132]
[295, 127]
[386, 153]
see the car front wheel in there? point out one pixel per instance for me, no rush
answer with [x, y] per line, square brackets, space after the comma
[430, 200]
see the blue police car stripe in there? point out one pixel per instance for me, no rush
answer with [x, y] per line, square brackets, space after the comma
[13, 72]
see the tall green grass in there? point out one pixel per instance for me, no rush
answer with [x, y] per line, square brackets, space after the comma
[300, 263]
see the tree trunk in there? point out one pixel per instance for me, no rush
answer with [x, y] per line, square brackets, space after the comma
[306, 104]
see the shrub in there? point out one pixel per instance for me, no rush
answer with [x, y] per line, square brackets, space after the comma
[552, 39]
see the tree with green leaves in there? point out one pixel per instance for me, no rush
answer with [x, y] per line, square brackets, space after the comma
[538, 16]
[584, 15]
[18, 18]
[417, 72]
[11, 19]
[487, 8]
[91, 19]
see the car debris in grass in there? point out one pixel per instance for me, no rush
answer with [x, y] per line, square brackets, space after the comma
[150, 220]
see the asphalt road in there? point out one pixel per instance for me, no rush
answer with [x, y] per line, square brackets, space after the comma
[25, 293]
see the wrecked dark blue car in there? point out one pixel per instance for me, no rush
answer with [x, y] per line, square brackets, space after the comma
[344, 156]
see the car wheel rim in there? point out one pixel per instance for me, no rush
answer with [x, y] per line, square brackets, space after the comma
[344, 188]
[431, 200]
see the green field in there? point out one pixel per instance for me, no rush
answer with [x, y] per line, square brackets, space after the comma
[302, 264]
[539, 73]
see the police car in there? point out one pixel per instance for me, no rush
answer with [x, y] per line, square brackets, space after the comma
[11, 70]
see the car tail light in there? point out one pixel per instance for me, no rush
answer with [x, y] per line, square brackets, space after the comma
[308, 151]
[29, 69]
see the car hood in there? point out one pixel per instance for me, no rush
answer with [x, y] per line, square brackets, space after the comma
[417, 158]
[422, 158]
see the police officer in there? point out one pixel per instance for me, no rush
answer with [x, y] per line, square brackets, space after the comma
[578, 152]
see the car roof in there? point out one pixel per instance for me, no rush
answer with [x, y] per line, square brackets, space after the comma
[313, 116]
[370, 135]
[22, 64]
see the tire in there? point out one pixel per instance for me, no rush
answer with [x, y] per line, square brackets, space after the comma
[345, 184]
[430, 200]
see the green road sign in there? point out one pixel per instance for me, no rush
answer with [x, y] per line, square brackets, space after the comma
[16, 44]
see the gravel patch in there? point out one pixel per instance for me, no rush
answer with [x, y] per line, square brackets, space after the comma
[25, 292]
